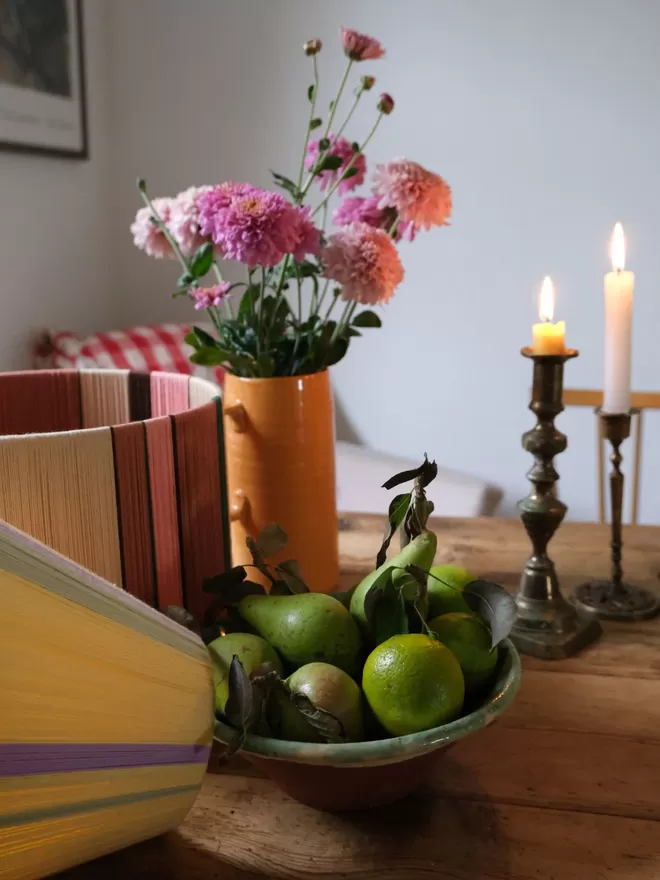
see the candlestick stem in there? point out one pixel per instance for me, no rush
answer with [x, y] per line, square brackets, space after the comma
[615, 599]
[547, 625]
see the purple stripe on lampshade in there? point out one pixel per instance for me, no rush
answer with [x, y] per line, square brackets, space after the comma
[28, 759]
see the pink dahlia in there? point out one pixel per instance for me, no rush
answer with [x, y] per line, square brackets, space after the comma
[343, 149]
[184, 220]
[310, 235]
[251, 225]
[420, 197]
[147, 235]
[357, 209]
[205, 297]
[365, 262]
[360, 47]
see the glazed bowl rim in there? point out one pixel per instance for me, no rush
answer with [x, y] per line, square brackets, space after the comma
[395, 749]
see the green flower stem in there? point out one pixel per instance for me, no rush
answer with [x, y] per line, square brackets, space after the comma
[262, 297]
[163, 228]
[331, 118]
[342, 127]
[335, 300]
[323, 293]
[228, 306]
[312, 114]
[392, 230]
[332, 189]
[343, 320]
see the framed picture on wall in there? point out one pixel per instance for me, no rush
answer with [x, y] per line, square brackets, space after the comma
[42, 82]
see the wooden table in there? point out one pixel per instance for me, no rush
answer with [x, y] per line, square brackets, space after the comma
[566, 786]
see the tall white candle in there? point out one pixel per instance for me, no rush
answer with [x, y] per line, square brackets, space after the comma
[619, 287]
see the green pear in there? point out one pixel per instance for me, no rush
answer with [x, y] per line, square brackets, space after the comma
[446, 594]
[420, 551]
[305, 628]
[328, 688]
[252, 651]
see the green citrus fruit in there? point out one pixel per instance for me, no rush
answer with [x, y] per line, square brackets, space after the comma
[469, 639]
[329, 688]
[446, 594]
[252, 651]
[412, 683]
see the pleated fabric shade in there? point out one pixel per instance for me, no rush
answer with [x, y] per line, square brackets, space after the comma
[122, 472]
[106, 712]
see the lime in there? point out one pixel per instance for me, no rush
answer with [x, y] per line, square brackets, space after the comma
[446, 594]
[252, 651]
[331, 689]
[412, 683]
[469, 639]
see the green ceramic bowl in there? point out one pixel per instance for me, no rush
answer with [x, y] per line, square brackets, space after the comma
[351, 776]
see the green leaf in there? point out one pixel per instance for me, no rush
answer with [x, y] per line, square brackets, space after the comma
[336, 351]
[384, 609]
[324, 143]
[366, 319]
[292, 576]
[494, 605]
[279, 587]
[258, 558]
[202, 260]
[311, 93]
[350, 172]
[210, 357]
[315, 123]
[184, 280]
[426, 473]
[248, 300]
[395, 515]
[191, 339]
[355, 147]
[328, 163]
[227, 579]
[266, 366]
[183, 618]
[324, 723]
[238, 710]
[272, 539]
[204, 338]
[287, 184]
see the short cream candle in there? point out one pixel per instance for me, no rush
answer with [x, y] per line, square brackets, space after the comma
[548, 338]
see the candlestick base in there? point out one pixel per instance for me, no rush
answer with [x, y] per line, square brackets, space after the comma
[611, 601]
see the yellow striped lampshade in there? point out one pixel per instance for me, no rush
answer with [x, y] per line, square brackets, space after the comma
[106, 706]
[122, 472]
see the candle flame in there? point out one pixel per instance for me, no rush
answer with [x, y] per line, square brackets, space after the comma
[618, 249]
[547, 300]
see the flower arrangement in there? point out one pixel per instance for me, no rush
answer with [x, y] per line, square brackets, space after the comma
[288, 322]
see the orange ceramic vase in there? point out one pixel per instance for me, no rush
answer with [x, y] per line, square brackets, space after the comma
[281, 468]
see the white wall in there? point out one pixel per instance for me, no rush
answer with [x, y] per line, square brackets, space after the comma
[542, 115]
[55, 255]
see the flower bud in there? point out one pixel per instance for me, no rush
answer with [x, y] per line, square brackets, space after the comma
[368, 82]
[385, 104]
[312, 47]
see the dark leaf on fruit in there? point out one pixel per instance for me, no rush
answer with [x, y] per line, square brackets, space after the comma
[426, 472]
[384, 609]
[325, 724]
[220, 582]
[494, 605]
[271, 540]
[291, 573]
[397, 510]
[239, 702]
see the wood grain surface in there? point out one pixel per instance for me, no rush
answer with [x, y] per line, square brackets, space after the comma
[565, 787]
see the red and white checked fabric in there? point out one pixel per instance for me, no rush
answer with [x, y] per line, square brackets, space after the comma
[160, 347]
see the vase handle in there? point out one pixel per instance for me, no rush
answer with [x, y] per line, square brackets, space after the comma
[236, 413]
[239, 509]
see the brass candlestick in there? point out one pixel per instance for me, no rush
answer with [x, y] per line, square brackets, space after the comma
[547, 625]
[614, 599]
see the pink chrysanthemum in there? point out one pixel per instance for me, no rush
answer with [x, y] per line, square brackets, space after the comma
[310, 235]
[343, 149]
[357, 209]
[205, 297]
[251, 225]
[420, 197]
[184, 220]
[360, 47]
[365, 262]
[147, 235]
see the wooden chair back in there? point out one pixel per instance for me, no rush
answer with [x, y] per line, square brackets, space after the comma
[641, 400]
